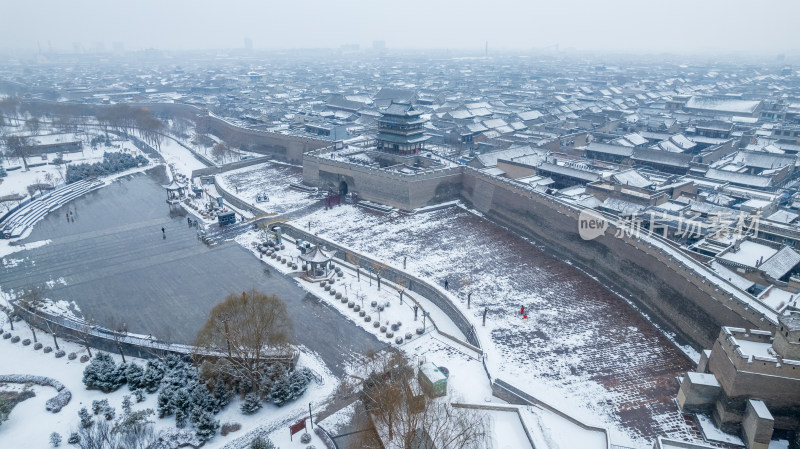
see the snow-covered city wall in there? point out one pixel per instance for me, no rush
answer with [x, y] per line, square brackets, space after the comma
[282, 147]
[402, 190]
[691, 300]
[686, 295]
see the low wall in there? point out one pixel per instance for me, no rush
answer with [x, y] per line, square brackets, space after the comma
[413, 283]
[54, 404]
[512, 395]
[500, 408]
[236, 202]
[113, 342]
[213, 170]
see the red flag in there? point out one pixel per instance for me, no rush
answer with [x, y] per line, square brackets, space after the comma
[297, 427]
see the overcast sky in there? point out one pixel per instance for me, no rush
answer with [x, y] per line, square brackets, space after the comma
[684, 26]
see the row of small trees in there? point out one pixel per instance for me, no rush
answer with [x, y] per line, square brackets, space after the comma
[5, 409]
[127, 119]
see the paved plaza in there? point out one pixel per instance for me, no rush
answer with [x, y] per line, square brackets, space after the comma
[115, 264]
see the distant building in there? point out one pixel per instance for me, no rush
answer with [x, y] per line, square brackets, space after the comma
[719, 105]
[326, 131]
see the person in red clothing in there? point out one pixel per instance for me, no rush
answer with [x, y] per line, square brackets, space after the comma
[522, 310]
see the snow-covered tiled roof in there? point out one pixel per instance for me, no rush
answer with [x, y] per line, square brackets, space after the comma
[631, 178]
[529, 115]
[723, 104]
[739, 178]
[610, 149]
[635, 139]
[781, 263]
[490, 159]
[731, 276]
[783, 216]
[662, 157]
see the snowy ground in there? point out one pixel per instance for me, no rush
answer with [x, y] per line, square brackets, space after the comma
[179, 157]
[467, 382]
[272, 179]
[580, 341]
[362, 289]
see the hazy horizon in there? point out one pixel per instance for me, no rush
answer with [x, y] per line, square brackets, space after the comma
[679, 26]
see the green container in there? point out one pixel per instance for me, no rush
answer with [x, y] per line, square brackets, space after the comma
[432, 380]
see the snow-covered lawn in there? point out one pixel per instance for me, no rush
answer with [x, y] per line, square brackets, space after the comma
[272, 179]
[183, 159]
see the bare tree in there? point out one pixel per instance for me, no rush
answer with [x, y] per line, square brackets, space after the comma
[131, 431]
[19, 147]
[407, 418]
[119, 331]
[33, 300]
[84, 335]
[10, 107]
[220, 152]
[36, 306]
[61, 167]
[465, 284]
[247, 327]
[351, 257]
[33, 124]
[379, 268]
[10, 314]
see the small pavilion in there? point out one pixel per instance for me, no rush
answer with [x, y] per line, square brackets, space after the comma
[176, 192]
[319, 260]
